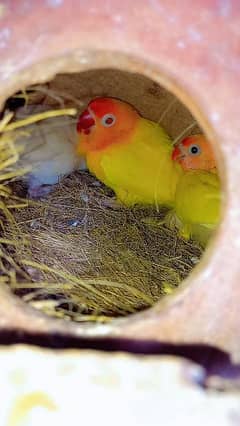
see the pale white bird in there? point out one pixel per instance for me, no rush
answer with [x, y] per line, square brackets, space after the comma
[49, 148]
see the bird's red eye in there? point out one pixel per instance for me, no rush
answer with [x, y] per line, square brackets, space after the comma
[108, 120]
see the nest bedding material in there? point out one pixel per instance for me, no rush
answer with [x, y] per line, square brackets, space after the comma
[86, 256]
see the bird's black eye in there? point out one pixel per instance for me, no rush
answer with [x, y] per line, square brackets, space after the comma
[194, 150]
[108, 120]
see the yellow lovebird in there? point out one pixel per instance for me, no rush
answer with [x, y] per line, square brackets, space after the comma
[198, 192]
[130, 154]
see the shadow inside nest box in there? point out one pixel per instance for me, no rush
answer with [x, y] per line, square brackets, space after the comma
[215, 362]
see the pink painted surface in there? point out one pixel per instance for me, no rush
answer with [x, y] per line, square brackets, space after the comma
[198, 45]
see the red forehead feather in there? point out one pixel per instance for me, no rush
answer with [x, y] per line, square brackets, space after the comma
[194, 139]
[102, 106]
[189, 140]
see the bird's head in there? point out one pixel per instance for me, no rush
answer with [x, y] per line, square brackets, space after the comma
[106, 121]
[195, 153]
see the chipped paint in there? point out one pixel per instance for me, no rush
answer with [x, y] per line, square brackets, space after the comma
[237, 242]
[161, 9]
[181, 44]
[93, 10]
[5, 35]
[215, 117]
[172, 19]
[117, 18]
[157, 6]
[225, 8]
[194, 34]
[54, 3]
[207, 273]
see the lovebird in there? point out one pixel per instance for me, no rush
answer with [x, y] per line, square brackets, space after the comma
[49, 149]
[198, 193]
[195, 153]
[130, 154]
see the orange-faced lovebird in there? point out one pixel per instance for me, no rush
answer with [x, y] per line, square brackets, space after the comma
[130, 154]
[198, 193]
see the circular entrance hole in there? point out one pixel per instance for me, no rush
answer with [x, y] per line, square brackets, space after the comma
[73, 251]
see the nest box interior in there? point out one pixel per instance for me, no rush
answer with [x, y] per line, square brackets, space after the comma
[72, 254]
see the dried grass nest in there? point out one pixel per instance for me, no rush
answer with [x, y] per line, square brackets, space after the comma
[74, 255]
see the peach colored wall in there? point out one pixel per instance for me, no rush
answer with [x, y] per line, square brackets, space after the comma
[196, 44]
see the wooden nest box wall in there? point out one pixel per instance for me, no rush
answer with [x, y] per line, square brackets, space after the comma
[192, 53]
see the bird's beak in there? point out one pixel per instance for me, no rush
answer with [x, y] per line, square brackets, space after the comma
[85, 122]
[177, 154]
